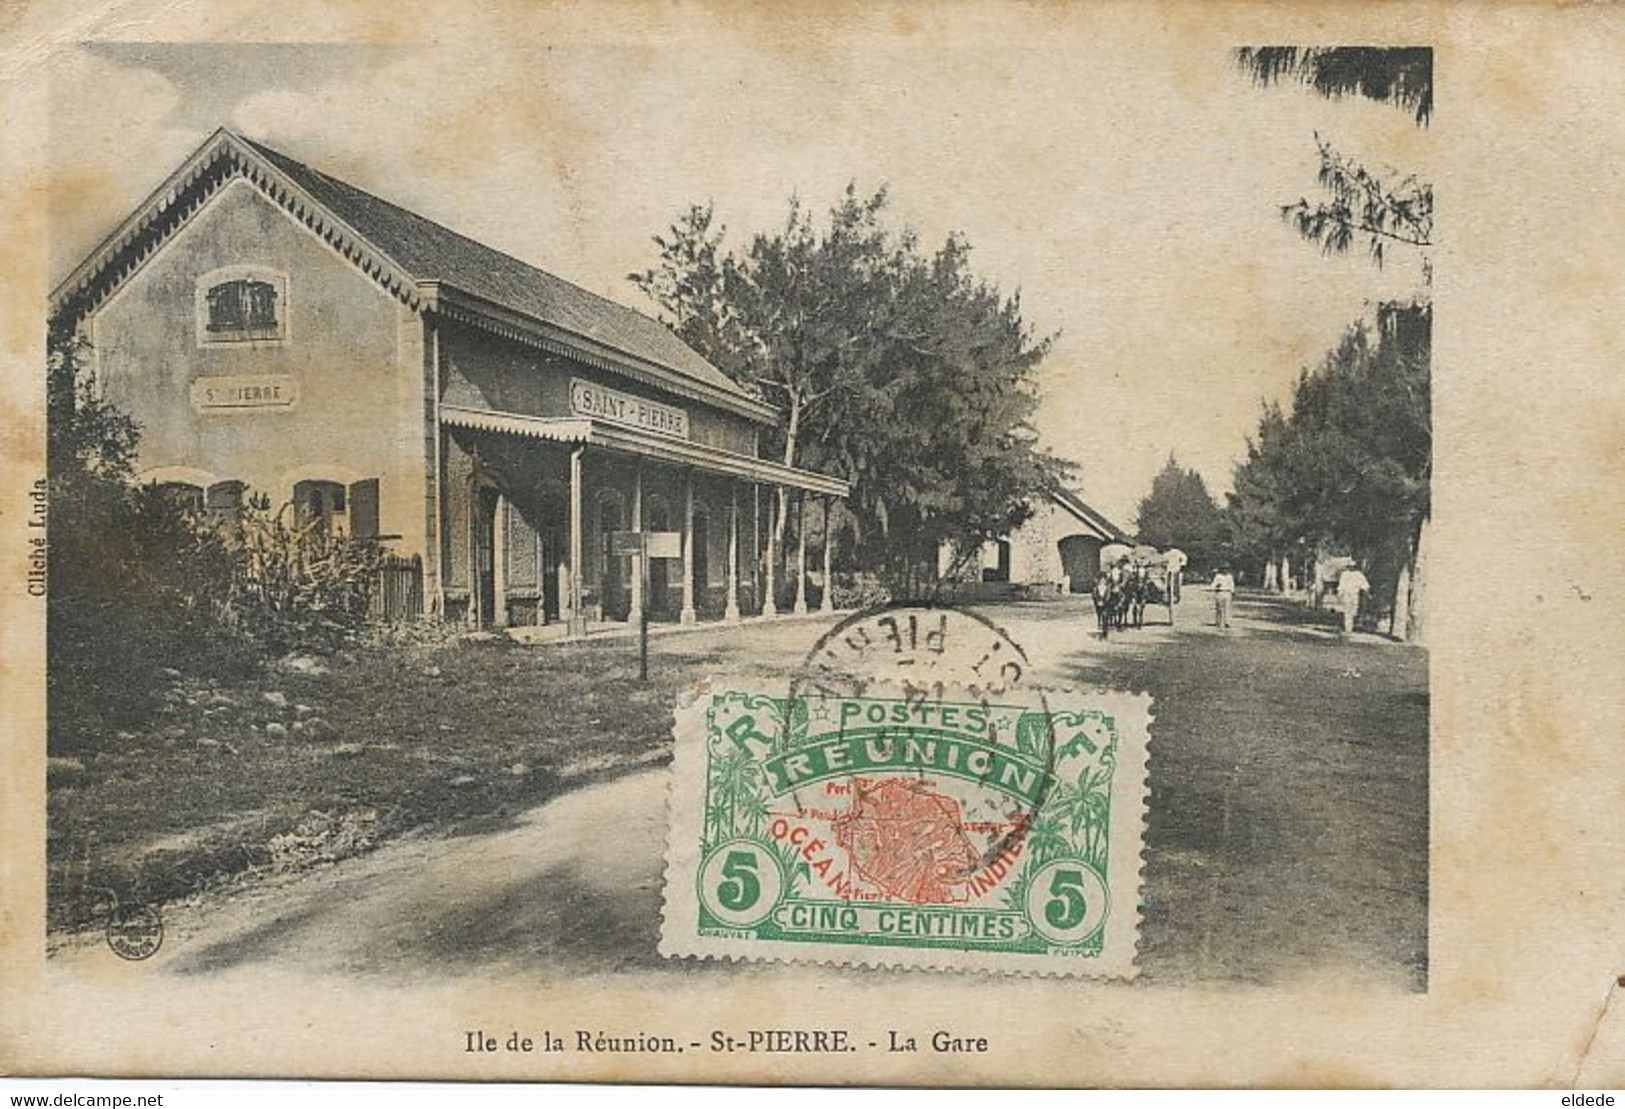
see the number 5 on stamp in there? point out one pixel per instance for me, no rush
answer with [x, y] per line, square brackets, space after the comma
[1066, 901]
[740, 883]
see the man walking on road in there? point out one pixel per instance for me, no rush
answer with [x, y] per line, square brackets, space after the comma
[1350, 584]
[1175, 560]
[1224, 589]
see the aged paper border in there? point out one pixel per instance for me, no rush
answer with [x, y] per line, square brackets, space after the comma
[1526, 572]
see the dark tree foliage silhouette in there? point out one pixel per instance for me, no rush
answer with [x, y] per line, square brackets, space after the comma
[894, 367]
[1180, 512]
[1349, 466]
[1359, 204]
[1402, 76]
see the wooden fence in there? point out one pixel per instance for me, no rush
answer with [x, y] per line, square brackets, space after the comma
[397, 595]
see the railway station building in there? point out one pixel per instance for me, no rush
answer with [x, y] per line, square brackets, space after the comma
[1057, 550]
[273, 329]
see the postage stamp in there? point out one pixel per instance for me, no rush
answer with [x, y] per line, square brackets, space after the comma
[939, 825]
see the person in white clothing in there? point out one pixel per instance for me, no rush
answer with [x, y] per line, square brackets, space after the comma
[1351, 583]
[1224, 591]
[1175, 560]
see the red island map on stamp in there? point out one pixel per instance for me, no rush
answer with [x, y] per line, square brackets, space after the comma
[955, 831]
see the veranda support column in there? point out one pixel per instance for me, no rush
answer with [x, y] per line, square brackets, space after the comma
[770, 604]
[826, 603]
[575, 618]
[688, 615]
[801, 555]
[634, 617]
[731, 612]
[475, 586]
[499, 562]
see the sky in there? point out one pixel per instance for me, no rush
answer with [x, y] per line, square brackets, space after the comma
[1120, 175]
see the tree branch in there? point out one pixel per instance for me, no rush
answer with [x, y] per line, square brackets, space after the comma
[1302, 209]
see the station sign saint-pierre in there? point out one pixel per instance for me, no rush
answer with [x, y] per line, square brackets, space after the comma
[616, 407]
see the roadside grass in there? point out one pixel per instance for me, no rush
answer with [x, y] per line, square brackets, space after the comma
[292, 768]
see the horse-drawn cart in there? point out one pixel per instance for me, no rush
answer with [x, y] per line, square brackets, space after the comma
[1131, 578]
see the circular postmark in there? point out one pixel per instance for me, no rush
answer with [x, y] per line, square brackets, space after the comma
[922, 648]
[135, 931]
[925, 755]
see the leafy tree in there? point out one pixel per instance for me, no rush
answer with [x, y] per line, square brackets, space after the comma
[692, 284]
[89, 444]
[1261, 522]
[1350, 465]
[1290, 475]
[895, 368]
[1359, 203]
[785, 317]
[936, 434]
[1180, 512]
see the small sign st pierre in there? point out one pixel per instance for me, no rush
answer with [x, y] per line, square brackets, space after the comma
[238, 393]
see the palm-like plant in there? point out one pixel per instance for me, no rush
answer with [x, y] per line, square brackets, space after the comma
[1077, 817]
[737, 799]
[1090, 812]
[1046, 835]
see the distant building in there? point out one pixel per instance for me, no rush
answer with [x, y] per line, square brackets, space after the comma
[276, 330]
[1057, 549]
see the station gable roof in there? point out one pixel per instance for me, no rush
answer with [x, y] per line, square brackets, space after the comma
[1075, 506]
[412, 256]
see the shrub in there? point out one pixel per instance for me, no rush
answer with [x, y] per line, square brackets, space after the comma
[298, 587]
[860, 591]
[129, 579]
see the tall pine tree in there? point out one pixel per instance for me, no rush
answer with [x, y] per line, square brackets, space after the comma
[1180, 512]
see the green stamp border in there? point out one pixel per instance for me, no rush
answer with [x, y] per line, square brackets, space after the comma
[1082, 808]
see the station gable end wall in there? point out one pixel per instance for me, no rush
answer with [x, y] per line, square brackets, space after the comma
[354, 351]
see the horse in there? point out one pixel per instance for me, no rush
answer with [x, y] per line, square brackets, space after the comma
[1136, 588]
[1113, 595]
[1104, 596]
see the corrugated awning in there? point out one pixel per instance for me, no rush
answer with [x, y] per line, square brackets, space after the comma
[567, 429]
[677, 452]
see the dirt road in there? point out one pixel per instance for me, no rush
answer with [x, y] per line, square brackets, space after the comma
[1287, 833]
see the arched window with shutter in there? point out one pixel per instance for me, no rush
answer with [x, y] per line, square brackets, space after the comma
[321, 507]
[331, 507]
